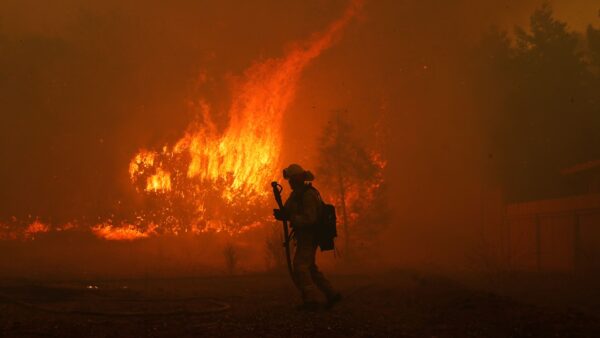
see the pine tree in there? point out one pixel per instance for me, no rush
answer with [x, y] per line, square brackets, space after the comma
[352, 174]
[538, 91]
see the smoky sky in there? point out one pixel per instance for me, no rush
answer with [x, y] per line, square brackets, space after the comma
[84, 85]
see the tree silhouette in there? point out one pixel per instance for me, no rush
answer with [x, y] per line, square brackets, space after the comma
[348, 171]
[539, 95]
[593, 40]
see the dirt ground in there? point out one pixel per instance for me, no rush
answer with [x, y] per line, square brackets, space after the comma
[392, 304]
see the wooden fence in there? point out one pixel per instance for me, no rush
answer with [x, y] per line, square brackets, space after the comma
[554, 235]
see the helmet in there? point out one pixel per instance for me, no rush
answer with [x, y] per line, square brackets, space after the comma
[295, 170]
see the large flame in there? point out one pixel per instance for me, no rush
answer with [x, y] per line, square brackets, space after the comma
[222, 176]
[213, 179]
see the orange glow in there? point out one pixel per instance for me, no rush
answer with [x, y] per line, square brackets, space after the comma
[213, 179]
[223, 176]
[123, 232]
[161, 181]
[142, 160]
[7, 232]
[66, 227]
[35, 228]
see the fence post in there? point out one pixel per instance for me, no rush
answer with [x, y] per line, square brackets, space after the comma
[576, 243]
[538, 243]
[507, 241]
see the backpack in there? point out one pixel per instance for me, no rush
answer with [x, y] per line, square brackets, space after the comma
[326, 227]
[327, 230]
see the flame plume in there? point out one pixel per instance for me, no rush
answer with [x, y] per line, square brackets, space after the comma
[218, 180]
[211, 179]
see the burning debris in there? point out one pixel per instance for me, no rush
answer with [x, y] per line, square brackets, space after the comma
[15, 230]
[35, 228]
[123, 232]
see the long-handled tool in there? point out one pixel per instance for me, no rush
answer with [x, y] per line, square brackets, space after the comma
[277, 189]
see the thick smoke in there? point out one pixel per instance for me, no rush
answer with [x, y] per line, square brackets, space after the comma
[84, 86]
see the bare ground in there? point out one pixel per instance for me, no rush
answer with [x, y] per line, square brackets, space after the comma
[394, 304]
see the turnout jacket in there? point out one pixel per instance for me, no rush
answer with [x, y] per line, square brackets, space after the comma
[303, 207]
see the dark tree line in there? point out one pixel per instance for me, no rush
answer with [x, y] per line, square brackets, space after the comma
[539, 93]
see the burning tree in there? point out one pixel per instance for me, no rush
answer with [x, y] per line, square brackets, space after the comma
[217, 179]
[354, 176]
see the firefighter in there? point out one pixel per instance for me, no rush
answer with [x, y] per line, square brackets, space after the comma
[302, 210]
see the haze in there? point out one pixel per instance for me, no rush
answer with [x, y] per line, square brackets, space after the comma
[84, 85]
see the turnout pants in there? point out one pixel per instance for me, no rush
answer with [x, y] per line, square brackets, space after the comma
[309, 279]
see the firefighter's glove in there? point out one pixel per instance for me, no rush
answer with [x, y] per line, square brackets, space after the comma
[280, 215]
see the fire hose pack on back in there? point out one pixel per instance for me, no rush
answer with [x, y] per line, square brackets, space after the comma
[327, 231]
[326, 224]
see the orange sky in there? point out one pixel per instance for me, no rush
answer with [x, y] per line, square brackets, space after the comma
[578, 13]
[31, 17]
[133, 69]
